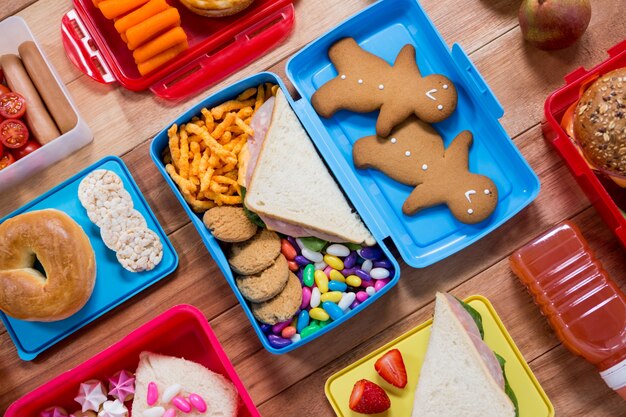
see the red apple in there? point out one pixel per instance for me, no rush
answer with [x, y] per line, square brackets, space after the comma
[554, 24]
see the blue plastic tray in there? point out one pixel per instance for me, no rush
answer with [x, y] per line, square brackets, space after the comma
[114, 284]
[159, 144]
[432, 234]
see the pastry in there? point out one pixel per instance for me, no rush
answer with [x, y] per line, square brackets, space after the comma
[266, 284]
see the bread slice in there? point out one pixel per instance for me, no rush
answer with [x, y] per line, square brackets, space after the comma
[454, 380]
[290, 182]
[219, 393]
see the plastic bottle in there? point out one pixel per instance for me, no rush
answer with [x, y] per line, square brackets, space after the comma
[585, 307]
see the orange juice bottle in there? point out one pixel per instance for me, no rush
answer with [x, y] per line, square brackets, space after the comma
[585, 307]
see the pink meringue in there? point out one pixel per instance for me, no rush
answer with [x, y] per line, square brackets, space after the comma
[122, 386]
[113, 409]
[53, 412]
[91, 395]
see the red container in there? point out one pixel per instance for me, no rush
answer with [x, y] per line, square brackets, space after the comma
[595, 187]
[217, 46]
[182, 331]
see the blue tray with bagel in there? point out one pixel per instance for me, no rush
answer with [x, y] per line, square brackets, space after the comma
[113, 283]
[430, 234]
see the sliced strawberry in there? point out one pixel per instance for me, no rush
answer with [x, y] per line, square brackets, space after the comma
[368, 398]
[391, 367]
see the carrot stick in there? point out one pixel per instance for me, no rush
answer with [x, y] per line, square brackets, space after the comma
[151, 27]
[115, 8]
[159, 44]
[143, 13]
[160, 59]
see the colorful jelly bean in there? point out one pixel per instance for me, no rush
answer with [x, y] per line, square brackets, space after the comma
[301, 260]
[288, 332]
[337, 286]
[299, 243]
[170, 392]
[366, 284]
[306, 297]
[327, 270]
[319, 314]
[362, 296]
[183, 404]
[153, 393]
[348, 271]
[350, 260]
[293, 266]
[334, 262]
[337, 249]
[309, 330]
[332, 296]
[354, 304]
[265, 328]
[321, 280]
[353, 281]
[294, 244]
[278, 328]
[303, 320]
[308, 275]
[385, 263]
[171, 412]
[367, 265]
[296, 338]
[312, 256]
[346, 299]
[337, 276]
[154, 412]
[315, 297]
[320, 265]
[379, 273]
[371, 252]
[198, 402]
[370, 291]
[287, 250]
[362, 274]
[278, 342]
[380, 283]
[333, 310]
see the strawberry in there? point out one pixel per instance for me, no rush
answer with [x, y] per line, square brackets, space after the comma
[368, 398]
[391, 367]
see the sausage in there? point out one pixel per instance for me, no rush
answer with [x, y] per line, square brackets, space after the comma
[41, 125]
[48, 88]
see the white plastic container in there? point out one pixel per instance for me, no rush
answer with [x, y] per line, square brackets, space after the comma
[14, 32]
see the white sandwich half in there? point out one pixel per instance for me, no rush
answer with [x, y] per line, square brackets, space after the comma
[460, 375]
[290, 185]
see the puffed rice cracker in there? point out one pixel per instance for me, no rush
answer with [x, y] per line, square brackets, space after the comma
[116, 221]
[140, 249]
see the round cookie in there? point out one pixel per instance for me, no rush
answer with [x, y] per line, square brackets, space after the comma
[254, 255]
[229, 224]
[266, 284]
[282, 307]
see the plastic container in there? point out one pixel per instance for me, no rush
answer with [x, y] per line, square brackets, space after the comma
[217, 47]
[114, 284]
[596, 188]
[181, 331]
[14, 32]
[586, 309]
[532, 400]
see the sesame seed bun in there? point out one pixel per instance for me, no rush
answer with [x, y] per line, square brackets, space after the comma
[216, 8]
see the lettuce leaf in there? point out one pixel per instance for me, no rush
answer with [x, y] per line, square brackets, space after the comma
[252, 216]
[507, 387]
[476, 316]
[312, 243]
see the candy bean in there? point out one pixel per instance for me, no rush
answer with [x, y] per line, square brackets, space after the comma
[319, 314]
[337, 249]
[385, 263]
[294, 245]
[320, 265]
[171, 412]
[266, 328]
[332, 296]
[333, 310]
[278, 342]
[379, 273]
[154, 412]
[278, 327]
[299, 244]
[347, 299]
[380, 283]
[327, 270]
[334, 262]
[293, 266]
[370, 291]
[350, 260]
[306, 297]
[288, 332]
[198, 402]
[315, 297]
[153, 393]
[299, 275]
[354, 305]
[348, 271]
[303, 320]
[181, 402]
[362, 296]
[301, 260]
[287, 250]
[336, 276]
[307, 275]
[366, 284]
[353, 281]
[363, 275]
[367, 265]
[309, 330]
[321, 280]
[371, 252]
[337, 286]
[312, 256]
[296, 338]
[170, 392]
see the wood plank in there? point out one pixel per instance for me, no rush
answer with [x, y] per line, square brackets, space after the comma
[11, 7]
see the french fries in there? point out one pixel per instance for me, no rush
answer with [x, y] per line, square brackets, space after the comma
[203, 155]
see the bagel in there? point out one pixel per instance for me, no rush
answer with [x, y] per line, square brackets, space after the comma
[216, 8]
[65, 253]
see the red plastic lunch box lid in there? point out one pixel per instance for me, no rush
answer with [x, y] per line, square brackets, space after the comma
[217, 47]
[592, 185]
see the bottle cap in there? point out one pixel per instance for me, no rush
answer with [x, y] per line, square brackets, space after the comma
[615, 378]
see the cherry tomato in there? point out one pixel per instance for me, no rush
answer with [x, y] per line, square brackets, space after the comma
[13, 133]
[3, 88]
[31, 146]
[6, 160]
[12, 106]
[1, 150]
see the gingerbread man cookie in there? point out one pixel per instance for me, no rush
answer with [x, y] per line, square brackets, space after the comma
[366, 83]
[415, 155]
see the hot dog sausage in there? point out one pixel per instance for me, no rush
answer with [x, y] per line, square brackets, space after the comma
[47, 86]
[41, 125]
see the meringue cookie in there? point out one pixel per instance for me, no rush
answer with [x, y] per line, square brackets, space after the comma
[122, 386]
[91, 395]
[53, 412]
[113, 409]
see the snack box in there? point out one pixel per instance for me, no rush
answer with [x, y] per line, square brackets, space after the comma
[217, 46]
[532, 400]
[431, 235]
[594, 187]
[14, 32]
[181, 331]
[114, 284]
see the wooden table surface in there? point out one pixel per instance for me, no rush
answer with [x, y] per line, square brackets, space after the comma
[124, 122]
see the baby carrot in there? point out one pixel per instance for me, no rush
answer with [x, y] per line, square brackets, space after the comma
[160, 59]
[115, 8]
[159, 44]
[143, 13]
[151, 27]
